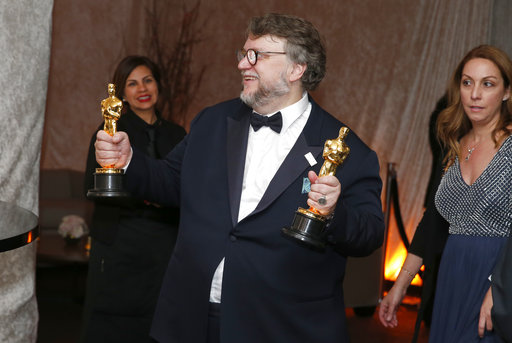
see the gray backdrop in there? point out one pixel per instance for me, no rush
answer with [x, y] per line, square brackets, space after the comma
[24, 59]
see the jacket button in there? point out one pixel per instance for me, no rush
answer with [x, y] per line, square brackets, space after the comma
[232, 238]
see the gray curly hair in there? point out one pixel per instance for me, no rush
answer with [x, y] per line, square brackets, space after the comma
[303, 43]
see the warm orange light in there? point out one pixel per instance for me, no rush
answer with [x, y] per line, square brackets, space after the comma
[394, 261]
[396, 252]
[29, 237]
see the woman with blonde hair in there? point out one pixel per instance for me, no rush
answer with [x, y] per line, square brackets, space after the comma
[474, 195]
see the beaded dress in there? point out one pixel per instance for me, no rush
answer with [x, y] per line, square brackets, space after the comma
[479, 216]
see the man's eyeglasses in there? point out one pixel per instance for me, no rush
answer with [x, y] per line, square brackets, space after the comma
[252, 55]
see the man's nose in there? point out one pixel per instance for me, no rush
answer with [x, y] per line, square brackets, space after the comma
[244, 64]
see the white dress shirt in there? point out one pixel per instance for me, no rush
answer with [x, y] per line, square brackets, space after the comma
[266, 151]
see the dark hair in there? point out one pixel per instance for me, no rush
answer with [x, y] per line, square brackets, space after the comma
[126, 66]
[453, 123]
[303, 43]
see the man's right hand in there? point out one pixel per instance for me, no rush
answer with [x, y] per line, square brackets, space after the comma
[113, 150]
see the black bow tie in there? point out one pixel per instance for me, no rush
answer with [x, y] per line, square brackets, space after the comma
[275, 122]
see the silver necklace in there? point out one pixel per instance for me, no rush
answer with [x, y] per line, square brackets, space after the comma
[470, 151]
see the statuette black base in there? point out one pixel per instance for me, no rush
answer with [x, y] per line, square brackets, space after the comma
[108, 184]
[307, 227]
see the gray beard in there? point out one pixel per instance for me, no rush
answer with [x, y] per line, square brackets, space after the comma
[266, 93]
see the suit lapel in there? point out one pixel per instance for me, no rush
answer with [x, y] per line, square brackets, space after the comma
[295, 162]
[237, 135]
[291, 168]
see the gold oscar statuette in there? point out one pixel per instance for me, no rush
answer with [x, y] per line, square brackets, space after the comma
[108, 180]
[309, 225]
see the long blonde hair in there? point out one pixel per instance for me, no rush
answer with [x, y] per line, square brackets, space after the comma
[453, 124]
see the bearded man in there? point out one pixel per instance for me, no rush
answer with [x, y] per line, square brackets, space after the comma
[238, 177]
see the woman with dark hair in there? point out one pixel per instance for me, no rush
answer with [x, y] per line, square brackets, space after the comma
[474, 195]
[132, 240]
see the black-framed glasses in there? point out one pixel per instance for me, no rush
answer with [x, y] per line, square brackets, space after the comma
[252, 55]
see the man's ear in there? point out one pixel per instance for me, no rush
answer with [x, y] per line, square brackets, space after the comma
[297, 71]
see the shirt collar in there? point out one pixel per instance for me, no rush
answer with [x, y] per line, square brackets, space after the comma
[294, 111]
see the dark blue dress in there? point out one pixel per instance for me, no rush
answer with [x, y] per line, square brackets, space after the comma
[480, 216]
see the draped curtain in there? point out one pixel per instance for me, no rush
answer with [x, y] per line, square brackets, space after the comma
[24, 55]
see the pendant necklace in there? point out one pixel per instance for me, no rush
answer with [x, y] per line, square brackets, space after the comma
[470, 151]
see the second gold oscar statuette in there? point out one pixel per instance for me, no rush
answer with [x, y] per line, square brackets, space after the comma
[309, 225]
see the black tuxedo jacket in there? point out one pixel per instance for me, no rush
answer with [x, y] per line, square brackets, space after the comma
[273, 290]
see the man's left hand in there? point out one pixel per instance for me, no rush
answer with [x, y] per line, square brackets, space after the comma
[327, 187]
